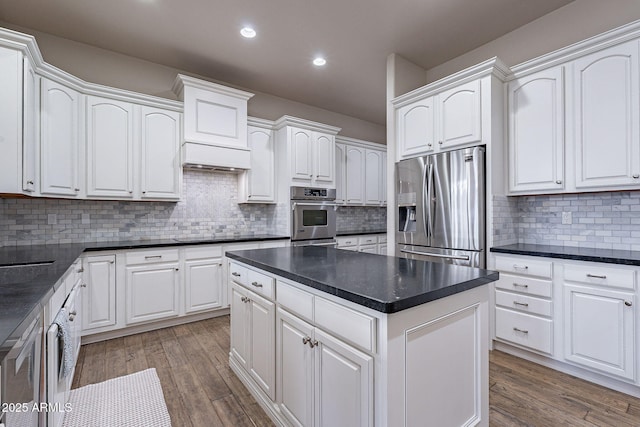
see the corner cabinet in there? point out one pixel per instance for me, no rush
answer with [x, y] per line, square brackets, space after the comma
[305, 152]
[536, 131]
[257, 185]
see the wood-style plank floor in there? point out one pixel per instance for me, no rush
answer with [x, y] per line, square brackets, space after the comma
[201, 390]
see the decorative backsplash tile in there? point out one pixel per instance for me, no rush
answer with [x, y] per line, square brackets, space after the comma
[209, 207]
[608, 220]
[365, 218]
[505, 220]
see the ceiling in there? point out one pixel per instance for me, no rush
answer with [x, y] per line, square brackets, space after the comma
[355, 36]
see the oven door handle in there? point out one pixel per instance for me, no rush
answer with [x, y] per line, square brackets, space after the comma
[325, 244]
[294, 204]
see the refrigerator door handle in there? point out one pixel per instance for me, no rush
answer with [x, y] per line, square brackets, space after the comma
[460, 257]
[430, 197]
[425, 201]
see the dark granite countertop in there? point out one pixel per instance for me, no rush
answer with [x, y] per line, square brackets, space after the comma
[360, 232]
[383, 283]
[610, 256]
[23, 289]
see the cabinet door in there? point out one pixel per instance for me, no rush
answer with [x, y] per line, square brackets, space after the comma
[152, 292]
[599, 329]
[99, 300]
[415, 130]
[202, 284]
[324, 156]
[341, 173]
[606, 117]
[373, 173]
[261, 176]
[383, 180]
[344, 384]
[460, 115]
[59, 145]
[301, 141]
[161, 170]
[295, 369]
[109, 148]
[239, 325]
[262, 340]
[355, 176]
[536, 132]
[30, 127]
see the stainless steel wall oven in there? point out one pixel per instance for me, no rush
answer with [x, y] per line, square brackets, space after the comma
[313, 215]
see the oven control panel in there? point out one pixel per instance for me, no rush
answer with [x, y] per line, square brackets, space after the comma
[312, 193]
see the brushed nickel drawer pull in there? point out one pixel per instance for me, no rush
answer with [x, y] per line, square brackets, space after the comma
[153, 257]
[520, 330]
[520, 267]
[306, 340]
[595, 276]
[519, 285]
[256, 284]
[523, 304]
[236, 274]
[313, 343]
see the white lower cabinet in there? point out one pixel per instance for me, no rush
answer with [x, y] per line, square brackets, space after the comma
[368, 243]
[253, 336]
[152, 292]
[99, 300]
[323, 381]
[202, 279]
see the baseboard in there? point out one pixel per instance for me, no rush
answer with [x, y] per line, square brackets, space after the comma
[152, 326]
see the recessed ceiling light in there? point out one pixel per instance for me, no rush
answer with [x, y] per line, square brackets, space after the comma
[319, 61]
[248, 32]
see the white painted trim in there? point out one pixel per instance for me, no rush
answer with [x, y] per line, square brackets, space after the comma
[183, 81]
[307, 124]
[361, 143]
[491, 66]
[584, 47]
[260, 123]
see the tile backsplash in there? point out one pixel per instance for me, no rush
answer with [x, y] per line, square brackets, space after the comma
[608, 220]
[209, 207]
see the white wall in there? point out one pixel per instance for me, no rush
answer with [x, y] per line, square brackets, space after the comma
[113, 69]
[570, 24]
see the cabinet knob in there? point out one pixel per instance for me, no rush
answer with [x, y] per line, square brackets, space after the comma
[130, 191]
[306, 340]
[236, 274]
[177, 269]
[76, 189]
[429, 145]
[558, 181]
[30, 182]
[80, 270]
[628, 303]
[84, 285]
[635, 176]
[440, 142]
[111, 262]
[144, 192]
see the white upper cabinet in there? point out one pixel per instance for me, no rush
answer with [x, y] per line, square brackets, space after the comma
[373, 175]
[606, 117]
[30, 142]
[459, 115]
[60, 124]
[305, 153]
[536, 131]
[160, 169]
[415, 127]
[110, 144]
[341, 170]
[257, 185]
[355, 175]
[215, 123]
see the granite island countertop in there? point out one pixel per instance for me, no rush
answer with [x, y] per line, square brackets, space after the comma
[23, 289]
[383, 283]
[610, 256]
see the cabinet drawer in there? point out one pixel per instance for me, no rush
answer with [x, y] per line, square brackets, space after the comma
[525, 285]
[524, 266]
[260, 283]
[524, 329]
[351, 325]
[597, 275]
[524, 303]
[148, 257]
[367, 240]
[382, 238]
[346, 241]
[238, 273]
[203, 252]
[295, 300]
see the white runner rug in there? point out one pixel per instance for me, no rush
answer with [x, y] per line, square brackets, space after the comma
[134, 400]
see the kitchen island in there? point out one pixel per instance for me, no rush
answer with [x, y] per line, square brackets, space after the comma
[327, 337]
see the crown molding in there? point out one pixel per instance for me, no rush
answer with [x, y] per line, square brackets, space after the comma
[307, 124]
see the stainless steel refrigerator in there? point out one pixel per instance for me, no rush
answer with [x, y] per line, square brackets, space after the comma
[441, 207]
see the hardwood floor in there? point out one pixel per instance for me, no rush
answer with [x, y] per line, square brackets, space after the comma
[201, 390]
